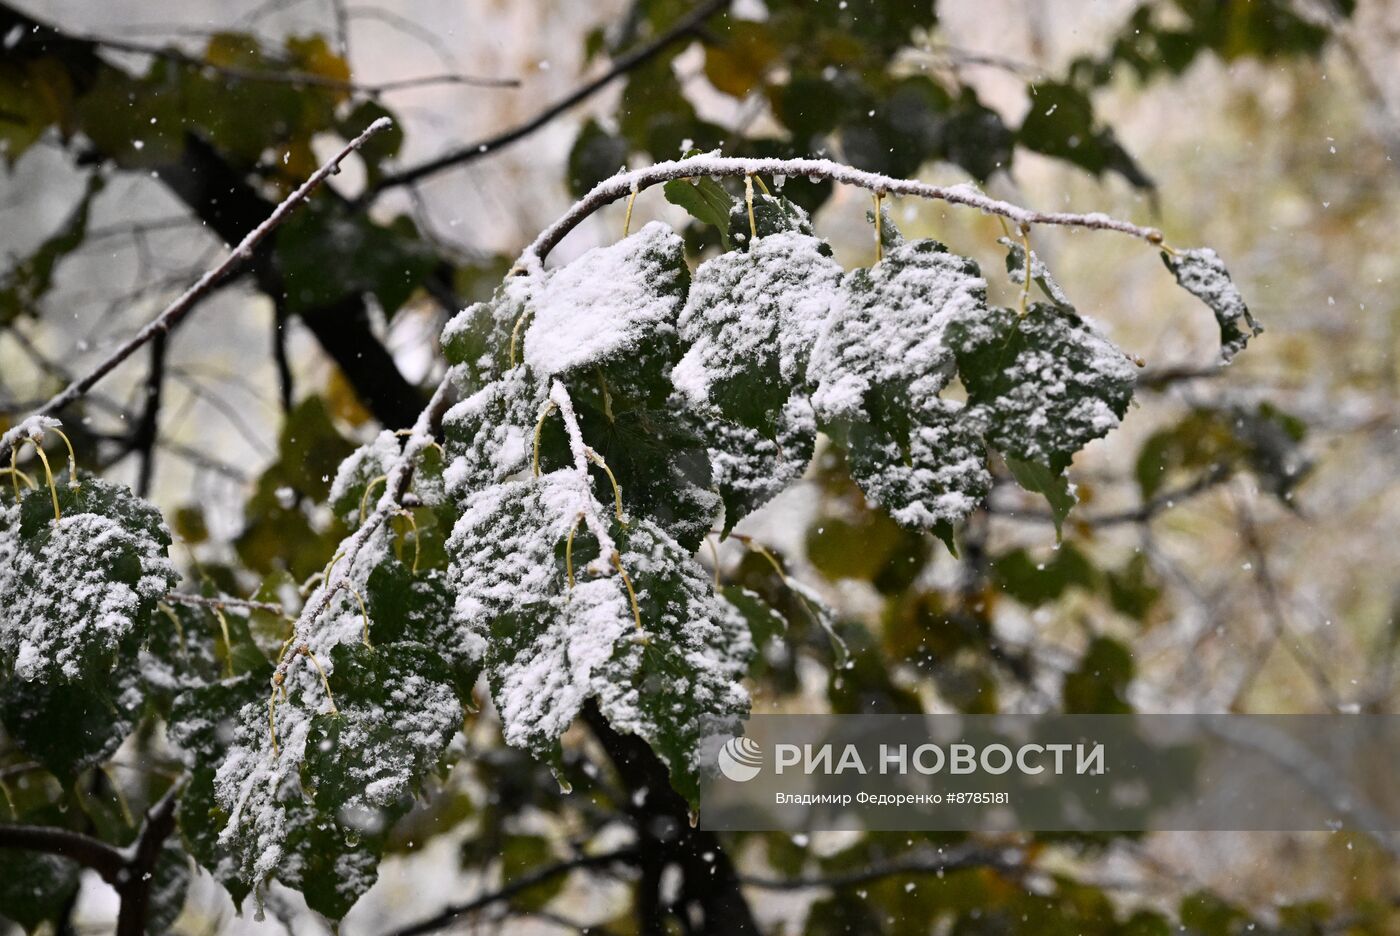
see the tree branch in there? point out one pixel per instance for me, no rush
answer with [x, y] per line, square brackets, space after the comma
[662, 821]
[624, 64]
[105, 859]
[299, 79]
[177, 310]
[454, 914]
[142, 855]
[625, 184]
[950, 859]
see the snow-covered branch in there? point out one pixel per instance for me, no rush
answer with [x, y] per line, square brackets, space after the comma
[625, 184]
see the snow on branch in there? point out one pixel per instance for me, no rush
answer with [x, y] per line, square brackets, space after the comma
[626, 184]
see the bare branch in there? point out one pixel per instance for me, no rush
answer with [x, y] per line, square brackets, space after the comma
[105, 859]
[623, 64]
[177, 310]
[939, 862]
[454, 914]
[625, 184]
[299, 79]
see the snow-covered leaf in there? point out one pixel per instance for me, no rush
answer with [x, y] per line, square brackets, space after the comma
[932, 481]
[396, 711]
[772, 214]
[613, 308]
[1044, 384]
[489, 435]
[750, 470]
[883, 352]
[1202, 273]
[749, 324]
[547, 648]
[78, 592]
[69, 727]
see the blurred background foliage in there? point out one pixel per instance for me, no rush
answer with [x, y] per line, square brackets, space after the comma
[1232, 549]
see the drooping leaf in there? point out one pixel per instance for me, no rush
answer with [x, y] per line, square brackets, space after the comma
[706, 200]
[1202, 273]
[1040, 273]
[612, 309]
[546, 648]
[1053, 486]
[69, 727]
[772, 214]
[933, 481]
[396, 711]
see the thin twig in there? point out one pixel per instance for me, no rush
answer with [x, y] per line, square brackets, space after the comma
[287, 76]
[173, 313]
[623, 64]
[238, 604]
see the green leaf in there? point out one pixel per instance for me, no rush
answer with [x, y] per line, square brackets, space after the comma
[1061, 123]
[883, 352]
[931, 482]
[327, 253]
[1053, 486]
[1040, 273]
[521, 854]
[489, 436]
[379, 148]
[69, 727]
[772, 214]
[705, 199]
[879, 367]
[333, 866]
[170, 882]
[201, 819]
[612, 309]
[483, 336]
[1098, 686]
[1044, 384]
[547, 648]
[749, 324]
[762, 619]
[596, 155]
[1035, 582]
[1202, 273]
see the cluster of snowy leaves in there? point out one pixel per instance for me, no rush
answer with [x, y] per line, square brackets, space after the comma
[621, 408]
[612, 414]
